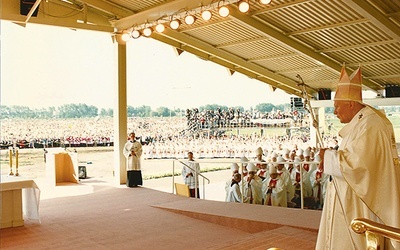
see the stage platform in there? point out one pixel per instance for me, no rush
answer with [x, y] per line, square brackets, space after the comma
[97, 216]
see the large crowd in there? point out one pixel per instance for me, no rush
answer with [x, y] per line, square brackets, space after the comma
[162, 138]
[285, 177]
[82, 132]
[209, 119]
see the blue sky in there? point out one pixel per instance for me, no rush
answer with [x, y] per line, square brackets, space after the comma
[45, 66]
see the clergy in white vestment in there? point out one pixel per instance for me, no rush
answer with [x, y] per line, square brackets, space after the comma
[132, 152]
[252, 185]
[190, 174]
[319, 180]
[284, 175]
[365, 171]
[234, 192]
[274, 189]
[228, 184]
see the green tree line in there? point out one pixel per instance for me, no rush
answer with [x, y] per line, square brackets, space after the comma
[82, 110]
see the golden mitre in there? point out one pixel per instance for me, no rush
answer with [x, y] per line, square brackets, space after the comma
[349, 88]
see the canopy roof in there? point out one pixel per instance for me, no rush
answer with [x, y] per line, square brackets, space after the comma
[272, 43]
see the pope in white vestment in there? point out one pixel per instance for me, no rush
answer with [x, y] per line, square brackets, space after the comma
[365, 173]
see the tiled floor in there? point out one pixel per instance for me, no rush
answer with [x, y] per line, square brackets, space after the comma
[103, 216]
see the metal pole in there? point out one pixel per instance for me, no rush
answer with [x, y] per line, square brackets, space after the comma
[10, 153]
[173, 176]
[301, 187]
[204, 190]
[195, 181]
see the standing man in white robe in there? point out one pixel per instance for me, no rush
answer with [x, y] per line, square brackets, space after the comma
[274, 189]
[132, 152]
[284, 175]
[365, 171]
[252, 185]
[318, 182]
[228, 184]
[234, 193]
[190, 174]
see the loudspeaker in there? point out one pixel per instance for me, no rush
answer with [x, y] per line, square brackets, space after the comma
[296, 102]
[82, 172]
[392, 91]
[324, 94]
[26, 6]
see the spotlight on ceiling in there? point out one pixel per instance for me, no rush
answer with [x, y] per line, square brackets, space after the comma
[265, 1]
[190, 19]
[244, 6]
[160, 28]
[125, 36]
[135, 34]
[174, 24]
[206, 15]
[121, 37]
[147, 31]
[223, 11]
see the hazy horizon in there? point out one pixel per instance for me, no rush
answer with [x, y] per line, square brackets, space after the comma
[44, 66]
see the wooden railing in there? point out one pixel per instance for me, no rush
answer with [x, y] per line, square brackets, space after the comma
[373, 231]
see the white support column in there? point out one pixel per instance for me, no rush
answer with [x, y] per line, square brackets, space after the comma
[120, 118]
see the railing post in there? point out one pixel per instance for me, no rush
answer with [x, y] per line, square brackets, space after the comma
[301, 187]
[204, 190]
[173, 176]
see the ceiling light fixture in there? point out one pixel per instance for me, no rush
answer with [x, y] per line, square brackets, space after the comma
[125, 36]
[174, 24]
[147, 31]
[244, 6]
[223, 11]
[190, 19]
[206, 15]
[160, 28]
[136, 34]
[265, 1]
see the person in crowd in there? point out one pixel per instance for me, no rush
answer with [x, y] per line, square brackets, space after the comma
[234, 193]
[274, 189]
[228, 184]
[300, 177]
[318, 181]
[244, 163]
[286, 154]
[259, 157]
[284, 175]
[252, 185]
[365, 171]
[262, 171]
[190, 174]
[132, 152]
[307, 158]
